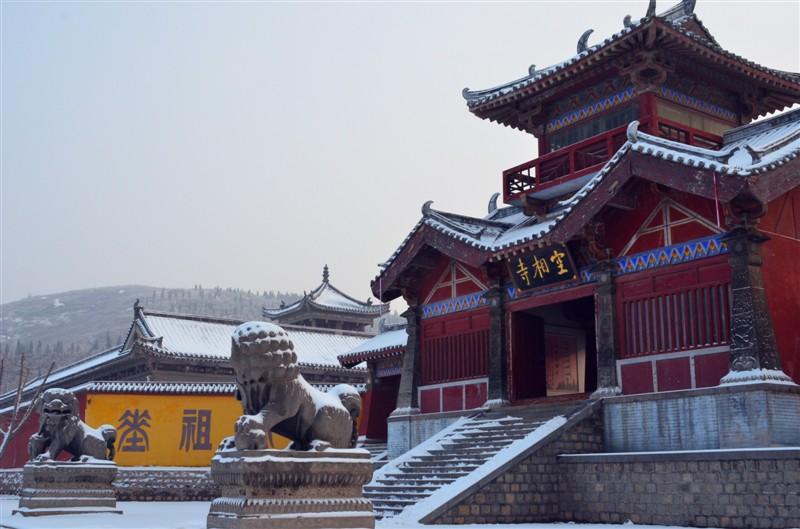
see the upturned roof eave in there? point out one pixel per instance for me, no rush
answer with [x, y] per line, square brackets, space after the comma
[481, 102]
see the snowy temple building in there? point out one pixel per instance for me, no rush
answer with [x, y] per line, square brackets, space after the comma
[651, 246]
[170, 359]
[637, 292]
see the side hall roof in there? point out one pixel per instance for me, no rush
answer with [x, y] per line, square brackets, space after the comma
[182, 335]
[389, 343]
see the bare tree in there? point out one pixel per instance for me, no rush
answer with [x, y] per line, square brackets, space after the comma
[17, 416]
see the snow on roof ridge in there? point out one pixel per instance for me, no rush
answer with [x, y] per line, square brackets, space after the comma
[478, 97]
[754, 127]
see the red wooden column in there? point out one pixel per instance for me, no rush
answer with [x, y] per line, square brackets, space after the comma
[407, 398]
[605, 312]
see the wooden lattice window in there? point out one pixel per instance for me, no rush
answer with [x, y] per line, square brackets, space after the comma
[455, 357]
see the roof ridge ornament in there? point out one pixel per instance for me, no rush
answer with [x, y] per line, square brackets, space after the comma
[532, 70]
[632, 131]
[493, 203]
[426, 208]
[326, 275]
[627, 21]
[688, 6]
[583, 41]
[651, 9]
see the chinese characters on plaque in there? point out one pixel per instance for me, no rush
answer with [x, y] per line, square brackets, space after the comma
[541, 267]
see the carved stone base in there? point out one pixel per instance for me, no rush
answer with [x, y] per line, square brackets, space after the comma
[67, 487]
[286, 489]
[604, 392]
[494, 404]
[767, 376]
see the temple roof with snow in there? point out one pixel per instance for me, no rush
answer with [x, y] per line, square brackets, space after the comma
[165, 352]
[758, 159]
[325, 306]
[677, 30]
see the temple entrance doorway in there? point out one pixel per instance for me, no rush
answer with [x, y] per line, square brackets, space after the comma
[553, 350]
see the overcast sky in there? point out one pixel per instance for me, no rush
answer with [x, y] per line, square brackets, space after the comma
[246, 145]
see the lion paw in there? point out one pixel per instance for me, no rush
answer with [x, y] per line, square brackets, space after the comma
[246, 423]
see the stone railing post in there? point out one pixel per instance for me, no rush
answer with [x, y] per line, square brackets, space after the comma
[605, 310]
[754, 352]
[407, 399]
[498, 385]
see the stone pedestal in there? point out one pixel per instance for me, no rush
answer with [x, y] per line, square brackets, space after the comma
[286, 489]
[67, 487]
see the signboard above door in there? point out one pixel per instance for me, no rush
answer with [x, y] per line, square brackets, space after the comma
[541, 267]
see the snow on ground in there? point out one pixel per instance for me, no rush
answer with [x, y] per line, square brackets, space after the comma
[136, 515]
[192, 515]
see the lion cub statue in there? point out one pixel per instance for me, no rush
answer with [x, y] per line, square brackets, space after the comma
[276, 398]
[60, 428]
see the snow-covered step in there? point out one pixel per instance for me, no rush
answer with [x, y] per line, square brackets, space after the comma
[417, 482]
[400, 488]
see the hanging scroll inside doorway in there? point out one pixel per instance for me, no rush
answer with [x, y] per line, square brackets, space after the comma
[565, 360]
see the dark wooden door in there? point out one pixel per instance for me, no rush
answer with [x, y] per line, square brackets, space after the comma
[527, 357]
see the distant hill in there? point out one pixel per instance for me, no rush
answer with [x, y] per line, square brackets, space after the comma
[69, 326]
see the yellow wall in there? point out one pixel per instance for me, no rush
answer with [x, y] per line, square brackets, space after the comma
[167, 421]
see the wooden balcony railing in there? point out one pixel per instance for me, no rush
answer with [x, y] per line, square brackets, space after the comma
[564, 164]
[589, 155]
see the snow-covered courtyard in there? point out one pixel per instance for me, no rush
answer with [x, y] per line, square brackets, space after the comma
[192, 515]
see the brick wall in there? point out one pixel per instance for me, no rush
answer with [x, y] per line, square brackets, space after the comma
[164, 484]
[754, 489]
[143, 484]
[528, 491]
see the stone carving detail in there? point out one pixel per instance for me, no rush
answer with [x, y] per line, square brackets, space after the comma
[60, 428]
[744, 363]
[276, 398]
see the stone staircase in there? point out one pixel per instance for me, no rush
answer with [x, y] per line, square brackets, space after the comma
[455, 453]
[378, 451]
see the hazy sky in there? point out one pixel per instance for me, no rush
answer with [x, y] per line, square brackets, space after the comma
[245, 145]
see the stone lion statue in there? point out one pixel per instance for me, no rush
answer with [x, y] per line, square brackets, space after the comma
[276, 398]
[60, 428]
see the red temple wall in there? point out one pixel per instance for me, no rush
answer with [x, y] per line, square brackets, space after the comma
[781, 270]
[17, 453]
[454, 361]
[674, 326]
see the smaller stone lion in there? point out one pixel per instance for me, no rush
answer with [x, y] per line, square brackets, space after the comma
[60, 428]
[276, 398]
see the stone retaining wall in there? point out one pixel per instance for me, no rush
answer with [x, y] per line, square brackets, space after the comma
[737, 489]
[529, 490]
[735, 416]
[143, 483]
[407, 431]
[568, 478]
